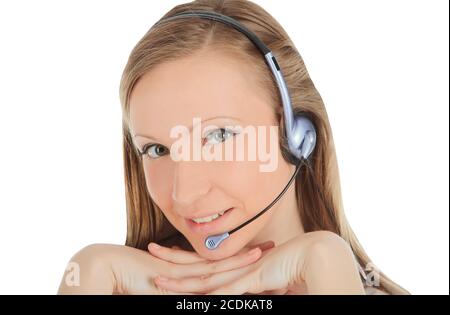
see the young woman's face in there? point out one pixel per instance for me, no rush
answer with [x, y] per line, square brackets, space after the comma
[222, 93]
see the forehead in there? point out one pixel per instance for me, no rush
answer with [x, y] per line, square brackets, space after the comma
[203, 85]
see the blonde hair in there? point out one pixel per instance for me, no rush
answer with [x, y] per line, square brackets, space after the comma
[179, 38]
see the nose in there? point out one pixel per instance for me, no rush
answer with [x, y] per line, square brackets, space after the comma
[190, 182]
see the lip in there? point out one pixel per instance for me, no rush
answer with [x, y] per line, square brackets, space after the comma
[210, 227]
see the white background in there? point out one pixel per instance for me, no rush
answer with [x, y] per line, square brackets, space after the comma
[380, 66]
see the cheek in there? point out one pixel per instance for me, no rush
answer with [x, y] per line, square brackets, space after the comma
[253, 188]
[159, 182]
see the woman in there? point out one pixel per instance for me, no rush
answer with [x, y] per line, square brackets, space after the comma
[209, 78]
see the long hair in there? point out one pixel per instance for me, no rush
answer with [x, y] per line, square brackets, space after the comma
[181, 38]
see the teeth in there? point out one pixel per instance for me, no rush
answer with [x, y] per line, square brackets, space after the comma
[208, 219]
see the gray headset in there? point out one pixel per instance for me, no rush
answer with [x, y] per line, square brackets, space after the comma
[300, 130]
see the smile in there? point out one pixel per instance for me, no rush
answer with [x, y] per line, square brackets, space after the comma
[209, 218]
[210, 224]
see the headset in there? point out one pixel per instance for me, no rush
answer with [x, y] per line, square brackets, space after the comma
[300, 131]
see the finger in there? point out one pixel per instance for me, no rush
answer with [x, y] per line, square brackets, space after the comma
[246, 284]
[210, 267]
[162, 291]
[177, 256]
[200, 284]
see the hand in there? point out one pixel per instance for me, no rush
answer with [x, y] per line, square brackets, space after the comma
[245, 257]
[302, 262]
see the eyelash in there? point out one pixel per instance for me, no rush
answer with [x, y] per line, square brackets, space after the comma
[223, 130]
[149, 146]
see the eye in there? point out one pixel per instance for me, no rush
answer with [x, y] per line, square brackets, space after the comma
[154, 151]
[218, 136]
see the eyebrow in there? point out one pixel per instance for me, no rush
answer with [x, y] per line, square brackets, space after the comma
[190, 128]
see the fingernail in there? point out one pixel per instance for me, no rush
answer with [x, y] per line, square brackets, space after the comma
[155, 246]
[253, 251]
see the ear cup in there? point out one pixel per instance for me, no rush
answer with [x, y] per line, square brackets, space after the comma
[302, 137]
